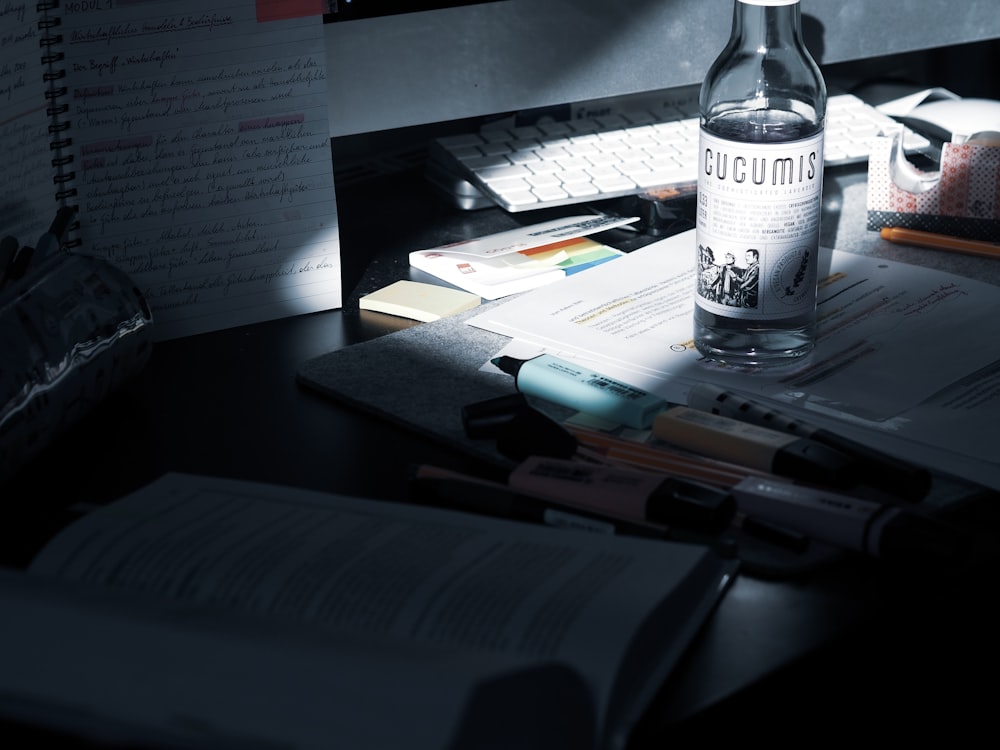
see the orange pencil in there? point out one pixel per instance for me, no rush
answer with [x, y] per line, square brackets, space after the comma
[660, 458]
[941, 242]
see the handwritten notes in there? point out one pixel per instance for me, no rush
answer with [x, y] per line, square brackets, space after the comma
[27, 202]
[202, 158]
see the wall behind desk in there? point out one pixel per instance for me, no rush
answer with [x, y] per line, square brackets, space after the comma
[494, 57]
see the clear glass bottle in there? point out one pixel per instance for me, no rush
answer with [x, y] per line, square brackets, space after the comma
[760, 184]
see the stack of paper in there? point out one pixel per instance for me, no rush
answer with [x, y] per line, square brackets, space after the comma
[520, 259]
[907, 359]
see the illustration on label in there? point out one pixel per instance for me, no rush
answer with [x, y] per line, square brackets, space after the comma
[758, 227]
[724, 282]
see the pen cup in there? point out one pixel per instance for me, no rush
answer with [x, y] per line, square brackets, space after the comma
[71, 332]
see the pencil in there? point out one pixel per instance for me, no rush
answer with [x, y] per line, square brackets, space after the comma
[941, 242]
[661, 458]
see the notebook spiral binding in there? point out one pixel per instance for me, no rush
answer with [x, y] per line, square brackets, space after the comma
[56, 109]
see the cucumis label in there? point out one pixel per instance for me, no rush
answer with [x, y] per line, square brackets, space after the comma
[758, 222]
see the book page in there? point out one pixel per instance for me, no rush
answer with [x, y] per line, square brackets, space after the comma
[202, 158]
[168, 675]
[405, 573]
[27, 193]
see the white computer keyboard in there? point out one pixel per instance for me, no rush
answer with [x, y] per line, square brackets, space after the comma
[556, 163]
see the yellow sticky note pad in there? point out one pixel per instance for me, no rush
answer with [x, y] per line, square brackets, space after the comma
[418, 301]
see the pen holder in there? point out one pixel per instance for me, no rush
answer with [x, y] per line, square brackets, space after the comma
[960, 199]
[71, 332]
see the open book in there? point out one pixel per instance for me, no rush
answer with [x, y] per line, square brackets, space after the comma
[191, 139]
[203, 610]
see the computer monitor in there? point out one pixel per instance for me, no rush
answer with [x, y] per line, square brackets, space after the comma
[396, 64]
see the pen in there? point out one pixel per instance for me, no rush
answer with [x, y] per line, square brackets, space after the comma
[940, 242]
[766, 506]
[444, 488]
[876, 468]
[709, 436]
[885, 530]
[775, 511]
[754, 446]
[655, 457]
[522, 431]
[633, 494]
[449, 489]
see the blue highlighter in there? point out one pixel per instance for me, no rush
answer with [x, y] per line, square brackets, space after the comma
[576, 387]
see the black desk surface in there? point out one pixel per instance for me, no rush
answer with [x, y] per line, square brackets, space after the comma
[850, 644]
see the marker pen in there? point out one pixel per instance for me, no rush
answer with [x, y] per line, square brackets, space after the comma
[580, 388]
[755, 447]
[454, 490]
[445, 488]
[880, 529]
[877, 469]
[627, 493]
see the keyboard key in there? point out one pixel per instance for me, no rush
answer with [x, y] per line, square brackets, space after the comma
[527, 132]
[584, 189]
[481, 164]
[546, 166]
[550, 193]
[574, 163]
[510, 188]
[523, 156]
[619, 185]
[553, 130]
[602, 158]
[504, 172]
[496, 148]
[544, 180]
[574, 176]
[465, 153]
[520, 200]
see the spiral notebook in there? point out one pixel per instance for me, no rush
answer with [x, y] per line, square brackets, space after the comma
[192, 140]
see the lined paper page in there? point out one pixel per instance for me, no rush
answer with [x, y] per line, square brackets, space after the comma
[203, 158]
[27, 194]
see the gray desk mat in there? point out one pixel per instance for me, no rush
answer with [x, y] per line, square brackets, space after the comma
[421, 377]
